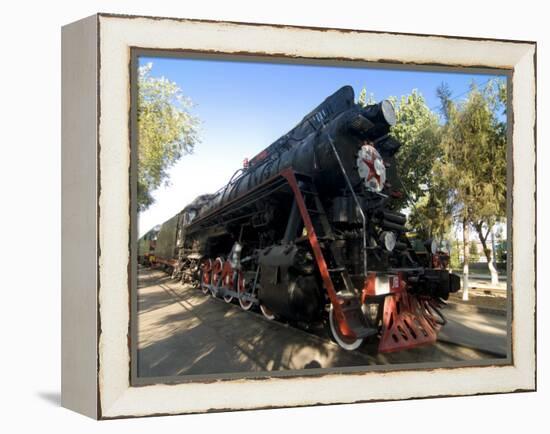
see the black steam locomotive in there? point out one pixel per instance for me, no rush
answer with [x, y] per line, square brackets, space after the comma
[308, 231]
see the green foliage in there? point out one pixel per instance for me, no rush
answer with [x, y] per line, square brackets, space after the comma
[444, 94]
[430, 216]
[453, 170]
[474, 252]
[166, 131]
[456, 248]
[365, 100]
[418, 130]
[473, 163]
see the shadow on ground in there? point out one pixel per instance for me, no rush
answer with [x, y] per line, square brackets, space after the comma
[52, 398]
[183, 332]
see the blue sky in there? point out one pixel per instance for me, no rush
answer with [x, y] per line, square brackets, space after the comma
[245, 106]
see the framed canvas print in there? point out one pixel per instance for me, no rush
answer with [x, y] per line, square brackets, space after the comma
[260, 216]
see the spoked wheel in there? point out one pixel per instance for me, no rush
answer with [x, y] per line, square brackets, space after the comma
[267, 312]
[227, 280]
[206, 268]
[241, 289]
[217, 268]
[343, 341]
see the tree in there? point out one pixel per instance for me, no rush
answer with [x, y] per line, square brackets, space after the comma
[365, 100]
[474, 253]
[455, 262]
[418, 130]
[474, 157]
[431, 215]
[444, 94]
[166, 131]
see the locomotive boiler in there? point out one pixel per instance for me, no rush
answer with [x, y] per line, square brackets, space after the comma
[309, 231]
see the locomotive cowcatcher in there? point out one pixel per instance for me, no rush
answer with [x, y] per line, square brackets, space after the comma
[308, 231]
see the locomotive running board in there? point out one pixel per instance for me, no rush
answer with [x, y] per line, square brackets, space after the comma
[349, 317]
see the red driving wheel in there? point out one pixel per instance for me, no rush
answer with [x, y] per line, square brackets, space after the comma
[216, 278]
[227, 280]
[241, 289]
[205, 278]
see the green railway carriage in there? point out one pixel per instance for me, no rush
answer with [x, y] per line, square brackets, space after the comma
[164, 244]
[165, 250]
[146, 246]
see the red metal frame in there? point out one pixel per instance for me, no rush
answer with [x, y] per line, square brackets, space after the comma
[369, 289]
[289, 175]
[407, 321]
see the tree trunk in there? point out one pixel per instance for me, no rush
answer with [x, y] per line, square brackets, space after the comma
[466, 247]
[488, 255]
[494, 273]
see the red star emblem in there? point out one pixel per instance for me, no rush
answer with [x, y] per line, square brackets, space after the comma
[372, 171]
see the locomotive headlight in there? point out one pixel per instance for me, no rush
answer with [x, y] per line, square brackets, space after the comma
[388, 112]
[388, 240]
[381, 113]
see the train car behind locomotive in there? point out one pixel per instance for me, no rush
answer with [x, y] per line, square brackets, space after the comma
[146, 246]
[308, 231]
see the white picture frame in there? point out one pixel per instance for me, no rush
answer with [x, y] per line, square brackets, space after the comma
[96, 136]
